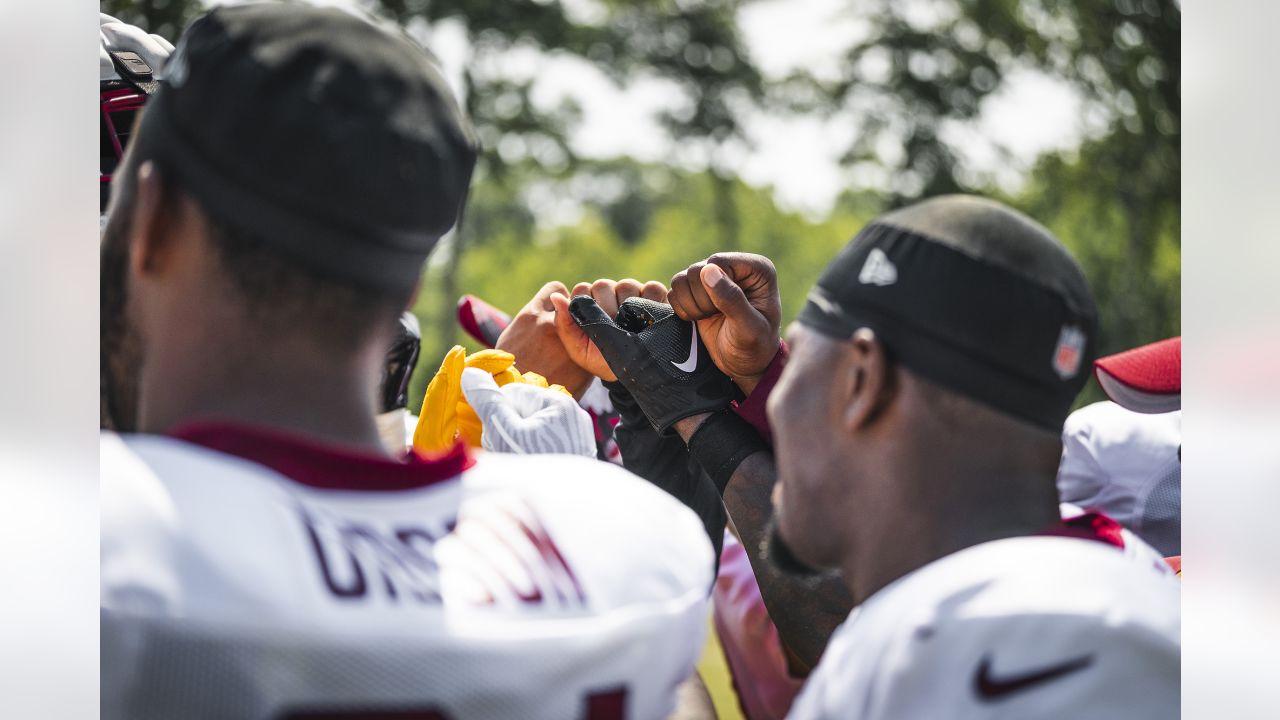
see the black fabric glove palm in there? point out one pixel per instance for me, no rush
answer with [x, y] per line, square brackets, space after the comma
[658, 358]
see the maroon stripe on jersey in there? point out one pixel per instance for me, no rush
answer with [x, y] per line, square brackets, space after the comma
[1089, 526]
[321, 465]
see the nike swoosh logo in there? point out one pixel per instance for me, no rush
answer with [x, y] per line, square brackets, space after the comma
[691, 363]
[991, 688]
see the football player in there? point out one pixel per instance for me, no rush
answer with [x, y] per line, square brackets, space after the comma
[1124, 456]
[917, 428]
[263, 554]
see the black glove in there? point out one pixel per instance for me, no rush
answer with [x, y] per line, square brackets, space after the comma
[658, 358]
[665, 462]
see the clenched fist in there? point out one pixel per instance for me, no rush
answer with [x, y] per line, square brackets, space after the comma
[609, 295]
[734, 299]
[534, 339]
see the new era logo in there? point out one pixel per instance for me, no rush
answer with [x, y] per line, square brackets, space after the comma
[878, 270]
[1068, 353]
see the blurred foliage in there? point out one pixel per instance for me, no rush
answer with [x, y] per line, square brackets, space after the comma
[166, 18]
[1128, 245]
[1115, 201]
[923, 65]
[921, 69]
[693, 44]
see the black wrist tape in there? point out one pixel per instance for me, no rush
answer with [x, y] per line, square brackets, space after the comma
[722, 442]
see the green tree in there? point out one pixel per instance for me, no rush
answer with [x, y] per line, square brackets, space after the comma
[919, 67]
[693, 43]
[1129, 248]
[1114, 201]
[166, 18]
[922, 65]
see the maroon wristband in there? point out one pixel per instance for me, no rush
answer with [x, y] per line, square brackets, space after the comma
[752, 408]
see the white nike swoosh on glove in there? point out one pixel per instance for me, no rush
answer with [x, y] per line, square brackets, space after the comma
[691, 363]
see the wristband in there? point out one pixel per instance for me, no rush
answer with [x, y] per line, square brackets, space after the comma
[721, 443]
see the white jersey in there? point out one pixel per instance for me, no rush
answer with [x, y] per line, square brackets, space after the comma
[522, 587]
[1127, 465]
[1025, 628]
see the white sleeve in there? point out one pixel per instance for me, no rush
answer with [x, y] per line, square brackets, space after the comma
[138, 531]
[1080, 476]
[137, 577]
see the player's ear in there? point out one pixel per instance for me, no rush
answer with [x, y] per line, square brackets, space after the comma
[869, 383]
[152, 234]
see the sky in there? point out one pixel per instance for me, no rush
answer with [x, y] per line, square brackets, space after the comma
[1031, 113]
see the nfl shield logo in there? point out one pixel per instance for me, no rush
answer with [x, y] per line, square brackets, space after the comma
[1066, 358]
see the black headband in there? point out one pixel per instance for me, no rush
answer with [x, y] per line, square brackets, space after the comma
[977, 327]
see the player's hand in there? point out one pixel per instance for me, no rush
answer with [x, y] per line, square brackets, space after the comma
[657, 357]
[527, 419]
[609, 295]
[533, 338]
[734, 299]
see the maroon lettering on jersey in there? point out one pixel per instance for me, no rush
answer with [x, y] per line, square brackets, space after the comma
[607, 704]
[355, 586]
[357, 561]
[545, 576]
[562, 575]
[400, 557]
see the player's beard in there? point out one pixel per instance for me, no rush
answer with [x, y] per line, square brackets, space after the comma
[119, 348]
[778, 554]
